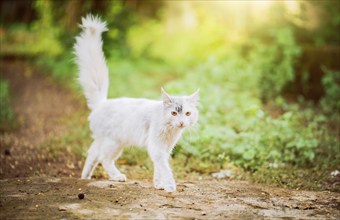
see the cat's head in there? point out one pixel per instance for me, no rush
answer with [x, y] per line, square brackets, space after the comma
[180, 111]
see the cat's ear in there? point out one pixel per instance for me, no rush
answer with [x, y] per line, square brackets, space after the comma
[195, 97]
[166, 98]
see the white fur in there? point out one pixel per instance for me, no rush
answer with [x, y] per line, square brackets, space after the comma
[122, 122]
[93, 72]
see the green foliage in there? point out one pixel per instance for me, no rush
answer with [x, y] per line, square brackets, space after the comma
[45, 31]
[41, 38]
[7, 115]
[275, 59]
[278, 140]
[120, 20]
[331, 82]
[233, 122]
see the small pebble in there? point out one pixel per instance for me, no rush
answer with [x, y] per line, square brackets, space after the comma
[7, 152]
[81, 195]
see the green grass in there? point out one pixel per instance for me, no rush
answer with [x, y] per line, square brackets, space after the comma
[7, 115]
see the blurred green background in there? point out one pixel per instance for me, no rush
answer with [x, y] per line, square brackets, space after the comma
[269, 74]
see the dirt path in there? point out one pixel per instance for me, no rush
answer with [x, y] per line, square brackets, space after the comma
[35, 185]
[40, 198]
[41, 107]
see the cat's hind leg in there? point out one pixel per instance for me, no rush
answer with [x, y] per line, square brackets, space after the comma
[111, 151]
[91, 161]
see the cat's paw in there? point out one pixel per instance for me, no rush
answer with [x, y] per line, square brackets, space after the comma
[158, 185]
[170, 188]
[118, 177]
[167, 187]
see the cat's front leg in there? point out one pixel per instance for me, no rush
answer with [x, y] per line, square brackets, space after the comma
[163, 177]
[168, 183]
[157, 178]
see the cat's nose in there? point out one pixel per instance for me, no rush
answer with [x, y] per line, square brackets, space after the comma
[181, 124]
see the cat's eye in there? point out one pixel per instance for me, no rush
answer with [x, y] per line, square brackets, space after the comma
[188, 113]
[174, 113]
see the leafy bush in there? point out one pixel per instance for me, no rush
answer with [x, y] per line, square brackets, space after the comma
[331, 82]
[233, 122]
[274, 56]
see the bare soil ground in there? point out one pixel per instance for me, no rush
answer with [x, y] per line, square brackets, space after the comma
[36, 185]
[41, 107]
[38, 198]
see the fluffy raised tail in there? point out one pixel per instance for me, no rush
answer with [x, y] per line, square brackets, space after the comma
[93, 71]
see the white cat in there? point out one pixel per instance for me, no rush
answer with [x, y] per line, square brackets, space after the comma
[122, 122]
